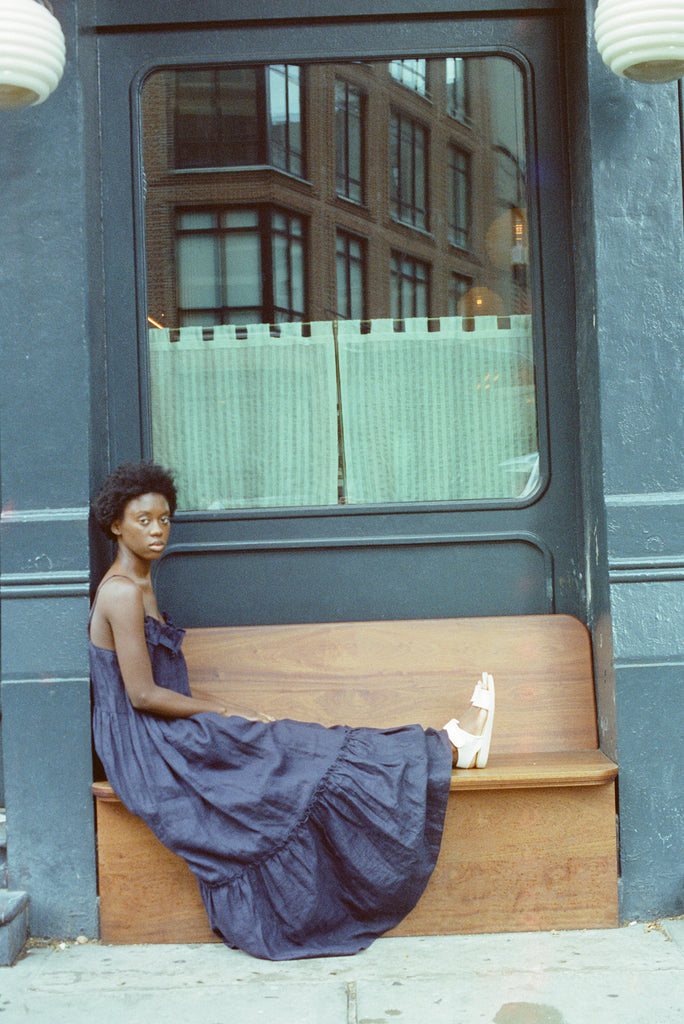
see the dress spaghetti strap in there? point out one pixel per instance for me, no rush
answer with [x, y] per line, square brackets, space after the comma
[114, 576]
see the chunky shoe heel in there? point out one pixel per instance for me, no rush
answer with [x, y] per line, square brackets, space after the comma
[467, 745]
[473, 751]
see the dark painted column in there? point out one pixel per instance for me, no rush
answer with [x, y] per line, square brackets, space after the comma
[636, 180]
[44, 451]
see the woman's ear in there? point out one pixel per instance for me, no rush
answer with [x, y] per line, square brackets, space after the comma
[115, 528]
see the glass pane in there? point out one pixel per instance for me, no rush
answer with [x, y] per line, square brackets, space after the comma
[350, 278]
[196, 220]
[285, 136]
[239, 219]
[420, 179]
[242, 270]
[308, 351]
[240, 131]
[411, 73]
[277, 94]
[458, 286]
[348, 141]
[294, 123]
[297, 277]
[408, 170]
[459, 197]
[198, 284]
[281, 272]
[457, 88]
[215, 116]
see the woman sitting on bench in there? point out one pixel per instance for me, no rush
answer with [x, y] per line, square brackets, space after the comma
[305, 840]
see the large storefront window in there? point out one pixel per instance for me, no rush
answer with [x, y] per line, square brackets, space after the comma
[338, 290]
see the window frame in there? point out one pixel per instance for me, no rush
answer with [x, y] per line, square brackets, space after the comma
[544, 523]
[459, 110]
[294, 162]
[139, 73]
[412, 73]
[347, 237]
[407, 296]
[428, 505]
[406, 166]
[460, 210]
[263, 134]
[459, 285]
[345, 175]
[265, 232]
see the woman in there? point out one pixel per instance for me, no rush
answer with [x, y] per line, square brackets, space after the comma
[305, 840]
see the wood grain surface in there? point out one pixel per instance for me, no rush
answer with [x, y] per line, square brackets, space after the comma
[529, 841]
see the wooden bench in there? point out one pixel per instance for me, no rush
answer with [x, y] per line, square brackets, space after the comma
[529, 841]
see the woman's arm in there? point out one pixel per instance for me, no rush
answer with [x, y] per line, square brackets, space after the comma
[125, 613]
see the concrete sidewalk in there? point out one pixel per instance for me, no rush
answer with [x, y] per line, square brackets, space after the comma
[630, 975]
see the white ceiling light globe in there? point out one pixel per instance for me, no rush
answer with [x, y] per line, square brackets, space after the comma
[641, 39]
[32, 53]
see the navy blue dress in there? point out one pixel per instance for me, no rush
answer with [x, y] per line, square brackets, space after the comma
[306, 841]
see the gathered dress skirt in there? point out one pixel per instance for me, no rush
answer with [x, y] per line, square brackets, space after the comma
[305, 840]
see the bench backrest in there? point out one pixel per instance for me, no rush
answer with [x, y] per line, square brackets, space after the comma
[393, 673]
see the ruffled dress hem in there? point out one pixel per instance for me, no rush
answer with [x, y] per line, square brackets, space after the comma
[305, 841]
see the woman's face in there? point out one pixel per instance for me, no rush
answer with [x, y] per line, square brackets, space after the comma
[144, 526]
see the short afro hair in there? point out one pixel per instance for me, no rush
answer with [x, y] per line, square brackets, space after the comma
[130, 481]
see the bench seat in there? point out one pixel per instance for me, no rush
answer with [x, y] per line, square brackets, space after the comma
[529, 841]
[549, 769]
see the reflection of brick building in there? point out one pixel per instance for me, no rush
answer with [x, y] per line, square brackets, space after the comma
[374, 191]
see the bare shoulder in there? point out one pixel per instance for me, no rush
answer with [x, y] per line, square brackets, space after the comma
[116, 588]
[119, 599]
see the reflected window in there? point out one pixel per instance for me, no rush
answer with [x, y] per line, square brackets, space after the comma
[309, 352]
[458, 96]
[408, 170]
[285, 118]
[459, 197]
[237, 117]
[349, 149]
[459, 286]
[287, 238]
[409, 286]
[411, 73]
[351, 275]
[239, 266]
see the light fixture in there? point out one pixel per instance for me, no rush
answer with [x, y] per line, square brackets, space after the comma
[506, 239]
[480, 301]
[641, 39]
[32, 53]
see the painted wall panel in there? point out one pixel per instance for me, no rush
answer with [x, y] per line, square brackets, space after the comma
[646, 529]
[49, 805]
[636, 178]
[651, 726]
[44, 637]
[648, 621]
[640, 256]
[44, 444]
[350, 582]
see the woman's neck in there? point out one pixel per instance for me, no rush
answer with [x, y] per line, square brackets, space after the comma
[137, 569]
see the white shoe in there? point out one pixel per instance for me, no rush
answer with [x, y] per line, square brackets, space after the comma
[473, 751]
